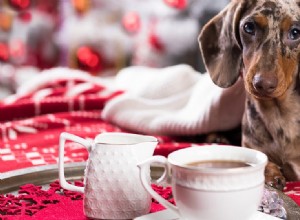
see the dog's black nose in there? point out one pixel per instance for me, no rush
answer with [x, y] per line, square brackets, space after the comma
[265, 83]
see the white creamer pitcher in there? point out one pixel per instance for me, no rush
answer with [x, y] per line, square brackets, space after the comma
[112, 188]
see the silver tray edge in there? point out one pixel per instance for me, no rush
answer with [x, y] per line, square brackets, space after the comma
[12, 180]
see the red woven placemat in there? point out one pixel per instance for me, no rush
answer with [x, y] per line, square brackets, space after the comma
[33, 202]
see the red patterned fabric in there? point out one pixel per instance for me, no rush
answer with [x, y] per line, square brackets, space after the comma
[292, 189]
[33, 202]
[30, 126]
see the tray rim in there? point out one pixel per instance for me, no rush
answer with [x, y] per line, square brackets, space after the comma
[45, 174]
[40, 175]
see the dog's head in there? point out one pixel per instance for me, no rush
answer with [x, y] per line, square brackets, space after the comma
[258, 38]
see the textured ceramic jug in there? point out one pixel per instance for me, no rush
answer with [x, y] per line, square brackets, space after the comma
[112, 188]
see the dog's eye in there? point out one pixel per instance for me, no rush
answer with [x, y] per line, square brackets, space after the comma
[294, 34]
[249, 28]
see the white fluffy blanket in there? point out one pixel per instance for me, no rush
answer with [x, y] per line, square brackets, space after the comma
[175, 100]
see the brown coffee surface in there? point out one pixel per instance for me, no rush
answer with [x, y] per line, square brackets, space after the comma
[220, 164]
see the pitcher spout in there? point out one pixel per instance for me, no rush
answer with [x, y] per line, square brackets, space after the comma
[146, 149]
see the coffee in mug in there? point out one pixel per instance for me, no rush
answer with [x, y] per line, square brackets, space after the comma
[220, 164]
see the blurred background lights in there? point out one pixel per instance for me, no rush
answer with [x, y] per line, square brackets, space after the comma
[88, 59]
[179, 4]
[131, 22]
[4, 52]
[20, 4]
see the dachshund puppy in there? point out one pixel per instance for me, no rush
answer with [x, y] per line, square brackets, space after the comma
[259, 40]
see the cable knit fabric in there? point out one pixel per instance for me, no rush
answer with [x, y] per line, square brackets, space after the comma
[175, 100]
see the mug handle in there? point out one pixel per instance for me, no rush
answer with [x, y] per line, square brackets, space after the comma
[144, 168]
[62, 139]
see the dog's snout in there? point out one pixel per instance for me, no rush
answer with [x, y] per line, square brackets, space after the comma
[265, 84]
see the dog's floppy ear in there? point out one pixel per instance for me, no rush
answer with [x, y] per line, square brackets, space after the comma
[220, 47]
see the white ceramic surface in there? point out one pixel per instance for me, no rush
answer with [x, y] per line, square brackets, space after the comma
[170, 215]
[112, 186]
[212, 194]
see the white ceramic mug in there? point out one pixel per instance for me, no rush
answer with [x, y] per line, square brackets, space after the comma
[211, 193]
[112, 185]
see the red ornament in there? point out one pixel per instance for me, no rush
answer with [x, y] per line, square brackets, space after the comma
[20, 4]
[4, 52]
[25, 16]
[179, 4]
[88, 59]
[131, 22]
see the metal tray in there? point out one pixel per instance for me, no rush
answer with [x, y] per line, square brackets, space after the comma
[43, 175]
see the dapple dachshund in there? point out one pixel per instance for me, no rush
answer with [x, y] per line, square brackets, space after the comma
[259, 40]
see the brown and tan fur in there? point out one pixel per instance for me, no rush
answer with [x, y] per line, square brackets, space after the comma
[259, 40]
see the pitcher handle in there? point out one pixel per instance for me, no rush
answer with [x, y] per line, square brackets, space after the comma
[144, 167]
[62, 139]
